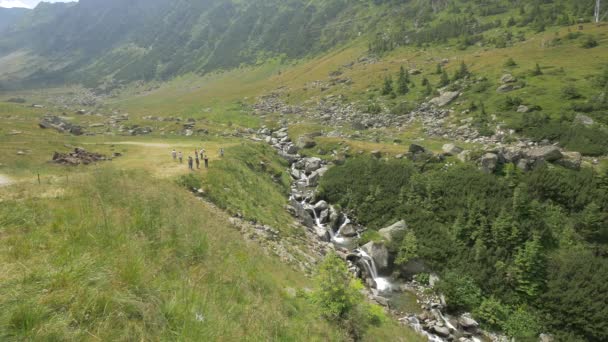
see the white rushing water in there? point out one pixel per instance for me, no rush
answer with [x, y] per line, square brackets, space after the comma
[382, 284]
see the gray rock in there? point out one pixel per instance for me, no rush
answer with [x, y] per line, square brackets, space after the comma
[441, 331]
[546, 338]
[571, 160]
[378, 252]
[381, 300]
[451, 149]
[584, 120]
[376, 154]
[313, 179]
[464, 156]
[445, 98]
[507, 78]
[312, 164]
[395, 231]
[523, 109]
[489, 162]
[305, 141]
[511, 154]
[291, 149]
[322, 233]
[524, 165]
[546, 153]
[414, 148]
[348, 231]
[321, 205]
[505, 88]
[468, 323]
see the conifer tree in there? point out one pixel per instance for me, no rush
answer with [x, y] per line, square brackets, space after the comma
[388, 86]
[402, 82]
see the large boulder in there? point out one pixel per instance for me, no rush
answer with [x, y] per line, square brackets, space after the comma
[378, 252]
[312, 164]
[305, 141]
[302, 214]
[546, 153]
[348, 231]
[468, 323]
[571, 160]
[489, 162]
[584, 120]
[465, 156]
[415, 148]
[451, 149]
[445, 98]
[392, 232]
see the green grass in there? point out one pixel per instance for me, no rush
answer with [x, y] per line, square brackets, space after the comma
[251, 180]
[124, 256]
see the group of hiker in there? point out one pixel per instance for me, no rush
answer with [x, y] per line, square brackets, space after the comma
[198, 155]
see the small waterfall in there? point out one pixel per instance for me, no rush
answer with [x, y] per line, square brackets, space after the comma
[382, 284]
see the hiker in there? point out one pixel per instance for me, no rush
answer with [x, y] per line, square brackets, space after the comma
[222, 152]
[195, 153]
[198, 162]
[174, 154]
[180, 156]
[202, 153]
[190, 163]
[206, 162]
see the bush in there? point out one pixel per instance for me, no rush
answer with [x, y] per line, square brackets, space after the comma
[522, 324]
[423, 278]
[510, 63]
[492, 313]
[461, 292]
[190, 181]
[589, 43]
[370, 235]
[570, 92]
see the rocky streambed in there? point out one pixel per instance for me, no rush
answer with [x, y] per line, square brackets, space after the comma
[370, 262]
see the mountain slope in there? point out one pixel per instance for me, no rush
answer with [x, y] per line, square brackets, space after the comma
[9, 16]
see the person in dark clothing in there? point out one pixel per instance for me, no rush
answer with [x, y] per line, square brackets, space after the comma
[180, 156]
[198, 162]
[190, 162]
[206, 162]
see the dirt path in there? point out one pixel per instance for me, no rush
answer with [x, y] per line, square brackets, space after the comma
[4, 180]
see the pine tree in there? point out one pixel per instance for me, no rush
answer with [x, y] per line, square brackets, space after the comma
[408, 249]
[439, 69]
[425, 82]
[462, 72]
[529, 266]
[402, 82]
[388, 86]
[444, 80]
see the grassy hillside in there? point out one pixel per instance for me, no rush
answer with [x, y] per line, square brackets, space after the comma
[121, 256]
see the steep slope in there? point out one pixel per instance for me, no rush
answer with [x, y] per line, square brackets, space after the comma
[9, 16]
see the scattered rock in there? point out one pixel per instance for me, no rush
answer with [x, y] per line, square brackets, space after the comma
[59, 124]
[79, 156]
[507, 78]
[468, 323]
[523, 109]
[505, 88]
[584, 120]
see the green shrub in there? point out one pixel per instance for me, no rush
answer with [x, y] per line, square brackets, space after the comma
[510, 63]
[492, 313]
[570, 92]
[523, 324]
[461, 292]
[589, 43]
[190, 181]
[422, 278]
[370, 235]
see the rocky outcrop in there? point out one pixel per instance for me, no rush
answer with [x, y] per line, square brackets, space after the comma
[571, 160]
[60, 124]
[445, 98]
[546, 153]
[507, 78]
[79, 156]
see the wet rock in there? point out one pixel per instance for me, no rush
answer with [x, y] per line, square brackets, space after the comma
[348, 231]
[394, 231]
[445, 98]
[381, 300]
[321, 205]
[468, 323]
[441, 331]
[378, 252]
